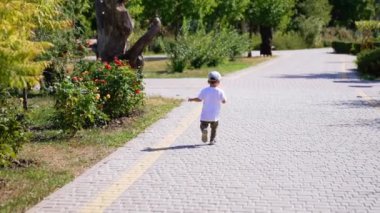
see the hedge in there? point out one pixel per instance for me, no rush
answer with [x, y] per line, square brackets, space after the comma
[369, 63]
[341, 47]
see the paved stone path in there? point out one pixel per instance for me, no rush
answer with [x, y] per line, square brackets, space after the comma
[300, 133]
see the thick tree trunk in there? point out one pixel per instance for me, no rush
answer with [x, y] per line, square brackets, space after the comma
[266, 41]
[114, 27]
[250, 30]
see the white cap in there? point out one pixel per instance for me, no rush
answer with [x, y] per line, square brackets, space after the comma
[214, 76]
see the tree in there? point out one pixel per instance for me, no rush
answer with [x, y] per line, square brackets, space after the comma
[269, 14]
[173, 12]
[345, 13]
[309, 19]
[114, 26]
[227, 12]
[18, 50]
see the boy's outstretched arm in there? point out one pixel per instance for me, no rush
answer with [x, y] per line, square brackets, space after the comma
[194, 99]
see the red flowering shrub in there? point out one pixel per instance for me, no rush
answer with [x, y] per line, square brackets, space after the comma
[114, 88]
[77, 106]
[117, 84]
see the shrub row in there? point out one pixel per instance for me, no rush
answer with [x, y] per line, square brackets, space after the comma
[369, 63]
[200, 48]
[350, 47]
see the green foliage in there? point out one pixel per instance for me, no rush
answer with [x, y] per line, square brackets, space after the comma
[288, 41]
[368, 29]
[81, 15]
[310, 19]
[158, 45]
[270, 13]
[227, 12]
[320, 9]
[120, 88]
[77, 106]
[13, 133]
[346, 47]
[18, 49]
[369, 63]
[332, 34]
[345, 13]
[174, 12]
[342, 47]
[69, 40]
[95, 93]
[200, 48]
[178, 54]
[135, 8]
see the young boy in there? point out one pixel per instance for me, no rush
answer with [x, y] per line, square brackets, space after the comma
[212, 98]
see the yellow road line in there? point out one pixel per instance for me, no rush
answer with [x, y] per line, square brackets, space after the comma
[367, 98]
[108, 196]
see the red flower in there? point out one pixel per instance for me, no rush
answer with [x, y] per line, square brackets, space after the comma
[118, 62]
[108, 67]
[138, 91]
[75, 79]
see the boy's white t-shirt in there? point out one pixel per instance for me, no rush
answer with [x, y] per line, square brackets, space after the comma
[212, 98]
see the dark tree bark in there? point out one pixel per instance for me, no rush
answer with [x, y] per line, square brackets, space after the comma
[266, 41]
[114, 28]
[25, 98]
[250, 30]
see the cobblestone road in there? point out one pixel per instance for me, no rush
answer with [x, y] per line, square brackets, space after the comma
[300, 134]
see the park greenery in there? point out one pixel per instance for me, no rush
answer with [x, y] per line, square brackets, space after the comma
[43, 44]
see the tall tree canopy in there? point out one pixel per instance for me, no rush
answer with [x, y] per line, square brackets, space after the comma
[228, 12]
[345, 13]
[268, 14]
[173, 12]
[18, 48]
[309, 19]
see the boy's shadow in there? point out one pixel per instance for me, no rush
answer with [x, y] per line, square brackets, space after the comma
[149, 149]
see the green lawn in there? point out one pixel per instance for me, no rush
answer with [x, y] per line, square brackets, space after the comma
[56, 160]
[160, 69]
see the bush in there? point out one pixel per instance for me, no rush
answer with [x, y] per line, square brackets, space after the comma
[77, 106]
[342, 47]
[119, 86]
[332, 34]
[157, 45]
[178, 54]
[97, 92]
[235, 43]
[350, 47]
[200, 48]
[310, 29]
[288, 41]
[369, 63]
[13, 132]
